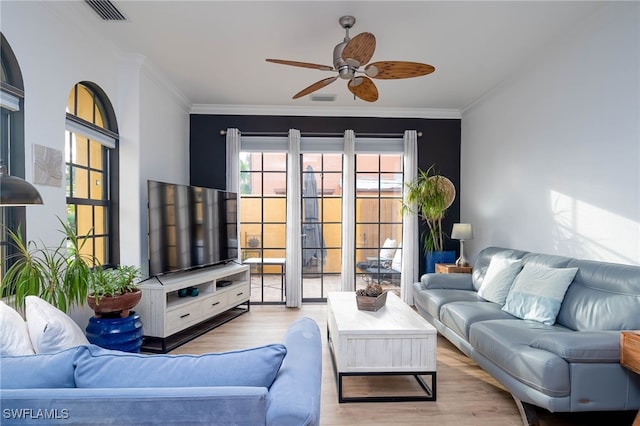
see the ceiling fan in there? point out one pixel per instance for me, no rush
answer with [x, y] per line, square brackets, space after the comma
[349, 56]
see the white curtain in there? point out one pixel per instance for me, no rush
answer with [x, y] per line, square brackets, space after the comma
[410, 252]
[348, 212]
[233, 172]
[294, 228]
[233, 160]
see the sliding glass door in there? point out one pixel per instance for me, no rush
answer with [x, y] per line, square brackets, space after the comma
[321, 176]
[378, 219]
[263, 189]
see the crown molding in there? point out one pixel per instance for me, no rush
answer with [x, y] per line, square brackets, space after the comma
[324, 111]
[155, 74]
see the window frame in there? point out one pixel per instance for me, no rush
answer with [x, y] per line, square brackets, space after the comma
[12, 147]
[108, 138]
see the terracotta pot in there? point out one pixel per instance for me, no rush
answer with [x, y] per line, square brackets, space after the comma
[115, 305]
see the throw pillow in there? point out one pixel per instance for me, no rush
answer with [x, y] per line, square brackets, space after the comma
[396, 263]
[102, 368]
[14, 335]
[53, 370]
[498, 279]
[388, 249]
[50, 329]
[538, 291]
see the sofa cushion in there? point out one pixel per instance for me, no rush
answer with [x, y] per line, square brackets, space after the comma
[388, 249]
[603, 296]
[483, 260]
[584, 346]
[301, 370]
[445, 281]
[537, 292]
[50, 329]
[52, 370]
[396, 263]
[498, 279]
[433, 300]
[14, 335]
[459, 316]
[507, 344]
[97, 367]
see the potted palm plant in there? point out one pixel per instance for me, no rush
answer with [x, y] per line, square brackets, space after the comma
[56, 274]
[113, 292]
[429, 196]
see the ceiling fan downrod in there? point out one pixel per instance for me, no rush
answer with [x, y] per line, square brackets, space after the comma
[345, 69]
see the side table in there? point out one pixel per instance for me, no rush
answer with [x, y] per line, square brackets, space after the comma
[262, 261]
[451, 268]
[630, 356]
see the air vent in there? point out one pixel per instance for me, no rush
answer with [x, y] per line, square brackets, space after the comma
[323, 98]
[106, 10]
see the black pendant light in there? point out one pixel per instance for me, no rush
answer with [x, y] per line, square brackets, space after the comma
[15, 191]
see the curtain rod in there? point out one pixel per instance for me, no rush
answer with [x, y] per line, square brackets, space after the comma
[322, 134]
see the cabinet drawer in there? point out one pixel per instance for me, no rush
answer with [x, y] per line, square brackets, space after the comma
[182, 317]
[238, 294]
[213, 305]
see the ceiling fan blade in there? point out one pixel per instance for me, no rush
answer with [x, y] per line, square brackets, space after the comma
[397, 69]
[360, 48]
[315, 86]
[363, 88]
[301, 64]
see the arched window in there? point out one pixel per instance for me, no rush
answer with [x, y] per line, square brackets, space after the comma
[91, 163]
[11, 143]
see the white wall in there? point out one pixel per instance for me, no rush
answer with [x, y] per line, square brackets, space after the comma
[48, 53]
[162, 123]
[54, 52]
[551, 159]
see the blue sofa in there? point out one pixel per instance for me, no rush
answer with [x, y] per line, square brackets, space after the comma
[570, 365]
[275, 384]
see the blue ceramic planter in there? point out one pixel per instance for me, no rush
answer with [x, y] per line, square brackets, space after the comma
[122, 334]
[433, 257]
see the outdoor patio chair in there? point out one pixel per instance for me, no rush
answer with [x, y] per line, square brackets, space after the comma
[386, 268]
[379, 272]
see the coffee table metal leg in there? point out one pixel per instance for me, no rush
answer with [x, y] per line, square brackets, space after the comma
[429, 390]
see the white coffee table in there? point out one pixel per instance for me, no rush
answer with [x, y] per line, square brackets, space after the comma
[395, 340]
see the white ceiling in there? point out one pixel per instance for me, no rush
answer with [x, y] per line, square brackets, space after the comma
[214, 52]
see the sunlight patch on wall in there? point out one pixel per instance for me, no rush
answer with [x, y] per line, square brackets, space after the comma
[587, 231]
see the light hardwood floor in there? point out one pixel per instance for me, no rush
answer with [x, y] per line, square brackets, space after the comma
[466, 395]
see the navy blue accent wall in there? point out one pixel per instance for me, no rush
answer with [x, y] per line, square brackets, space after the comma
[439, 145]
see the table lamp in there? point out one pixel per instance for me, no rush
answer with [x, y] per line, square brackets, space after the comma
[462, 232]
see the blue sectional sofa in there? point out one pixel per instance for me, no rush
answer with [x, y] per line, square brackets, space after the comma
[568, 363]
[276, 384]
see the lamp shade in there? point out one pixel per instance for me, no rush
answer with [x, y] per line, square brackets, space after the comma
[462, 231]
[15, 191]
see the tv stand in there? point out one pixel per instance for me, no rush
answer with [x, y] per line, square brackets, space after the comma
[169, 320]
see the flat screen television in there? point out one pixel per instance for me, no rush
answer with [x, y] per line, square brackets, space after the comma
[190, 227]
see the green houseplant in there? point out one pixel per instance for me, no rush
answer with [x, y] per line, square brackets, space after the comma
[113, 291]
[112, 295]
[56, 274]
[429, 196]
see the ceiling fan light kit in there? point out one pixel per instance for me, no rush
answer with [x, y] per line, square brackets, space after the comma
[349, 56]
